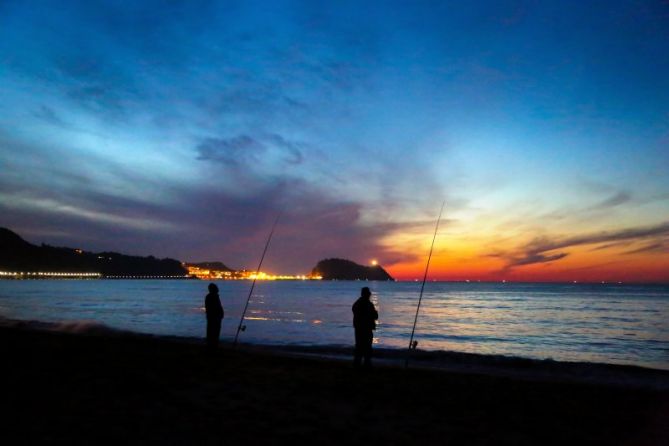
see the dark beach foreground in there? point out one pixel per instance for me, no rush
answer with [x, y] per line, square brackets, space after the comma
[131, 389]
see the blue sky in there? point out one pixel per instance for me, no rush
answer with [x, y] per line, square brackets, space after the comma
[182, 129]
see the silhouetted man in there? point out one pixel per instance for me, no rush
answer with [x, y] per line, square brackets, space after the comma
[214, 309]
[364, 322]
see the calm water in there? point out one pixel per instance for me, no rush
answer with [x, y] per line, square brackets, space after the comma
[621, 324]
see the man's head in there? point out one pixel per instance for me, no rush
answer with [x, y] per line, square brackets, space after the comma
[365, 292]
[213, 288]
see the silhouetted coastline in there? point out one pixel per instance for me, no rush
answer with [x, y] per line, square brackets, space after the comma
[17, 254]
[342, 269]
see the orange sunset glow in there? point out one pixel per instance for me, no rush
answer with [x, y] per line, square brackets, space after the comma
[459, 255]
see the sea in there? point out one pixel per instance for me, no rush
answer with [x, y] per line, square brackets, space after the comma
[603, 323]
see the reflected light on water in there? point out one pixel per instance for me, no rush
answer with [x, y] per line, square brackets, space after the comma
[575, 322]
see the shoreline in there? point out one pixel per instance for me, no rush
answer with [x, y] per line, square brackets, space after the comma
[79, 276]
[546, 370]
[117, 387]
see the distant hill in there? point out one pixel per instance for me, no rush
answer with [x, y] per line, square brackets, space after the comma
[342, 269]
[18, 255]
[216, 266]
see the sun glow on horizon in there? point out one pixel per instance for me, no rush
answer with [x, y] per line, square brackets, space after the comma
[621, 255]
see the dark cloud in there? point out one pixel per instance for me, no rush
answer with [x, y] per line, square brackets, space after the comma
[313, 226]
[244, 150]
[609, 236]
[107, 100]
[611, 245]
[47, 114]
[615, 200]
[91, 94]
[652, 247]
[199, 222]
[233, 151]
[292, 149]
[67, 205]
[533, 257]
[540, 250]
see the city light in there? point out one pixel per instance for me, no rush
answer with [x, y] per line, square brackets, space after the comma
[212, 274]
[42, 274]
[193, 272]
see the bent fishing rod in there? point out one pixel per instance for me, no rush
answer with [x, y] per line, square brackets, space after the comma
[241, 326]
[422, 287]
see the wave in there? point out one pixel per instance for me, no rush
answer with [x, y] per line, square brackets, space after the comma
[74, 327]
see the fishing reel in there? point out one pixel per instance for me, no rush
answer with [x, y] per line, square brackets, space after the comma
[243, 328]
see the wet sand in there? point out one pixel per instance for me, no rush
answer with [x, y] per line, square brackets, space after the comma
[131, 389]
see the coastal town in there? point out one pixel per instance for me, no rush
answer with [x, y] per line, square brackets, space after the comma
[204, 273]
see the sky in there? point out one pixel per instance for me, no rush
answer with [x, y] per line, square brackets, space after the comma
[182, 129]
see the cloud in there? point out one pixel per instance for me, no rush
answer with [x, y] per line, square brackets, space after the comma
[87, 214]
[610, 236]
[540, 250]
[292, 149]
[47, 114]
[313, 225]
[246, 150]
[201, 222]
[96, 97]
[108, 205]
[533, 257]
[610, 245]
[613, 201]
[652, 247]
[234, 151]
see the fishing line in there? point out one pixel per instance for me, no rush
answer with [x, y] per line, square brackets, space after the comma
[241, 326]
[422, 287]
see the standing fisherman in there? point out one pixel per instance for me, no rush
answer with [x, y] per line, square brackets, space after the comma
[214, 309]
[364, 322]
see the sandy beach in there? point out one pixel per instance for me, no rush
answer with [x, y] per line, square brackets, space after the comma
[132, 389]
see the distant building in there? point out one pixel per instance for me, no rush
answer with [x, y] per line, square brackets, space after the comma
[204, 273]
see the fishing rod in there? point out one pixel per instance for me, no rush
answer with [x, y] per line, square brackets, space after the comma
[412, 345]
[241, 326]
